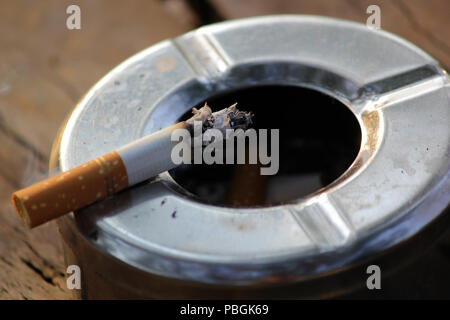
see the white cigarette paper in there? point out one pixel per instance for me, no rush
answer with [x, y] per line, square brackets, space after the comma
[103, 176]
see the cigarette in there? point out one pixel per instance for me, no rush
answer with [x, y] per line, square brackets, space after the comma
[110, 173]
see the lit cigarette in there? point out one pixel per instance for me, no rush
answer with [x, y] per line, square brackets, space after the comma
[103, 176]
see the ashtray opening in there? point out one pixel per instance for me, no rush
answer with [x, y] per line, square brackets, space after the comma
[319, 138]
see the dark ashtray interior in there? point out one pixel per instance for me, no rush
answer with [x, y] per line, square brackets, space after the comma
[319, 139]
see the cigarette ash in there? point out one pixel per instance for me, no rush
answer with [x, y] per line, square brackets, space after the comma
[222, 120]
[227, 118]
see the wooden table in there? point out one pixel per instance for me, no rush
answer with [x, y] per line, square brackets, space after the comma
[45, 69]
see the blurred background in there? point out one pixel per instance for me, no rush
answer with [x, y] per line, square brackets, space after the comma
[46, 68]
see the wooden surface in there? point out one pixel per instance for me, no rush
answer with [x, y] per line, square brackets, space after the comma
[45, 68]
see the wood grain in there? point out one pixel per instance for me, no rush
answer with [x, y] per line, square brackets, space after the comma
[44, 69]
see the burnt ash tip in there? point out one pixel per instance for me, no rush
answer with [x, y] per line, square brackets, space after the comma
[241, 119]
[229, 118]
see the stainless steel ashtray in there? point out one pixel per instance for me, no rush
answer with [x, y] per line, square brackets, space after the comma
[343, 81]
